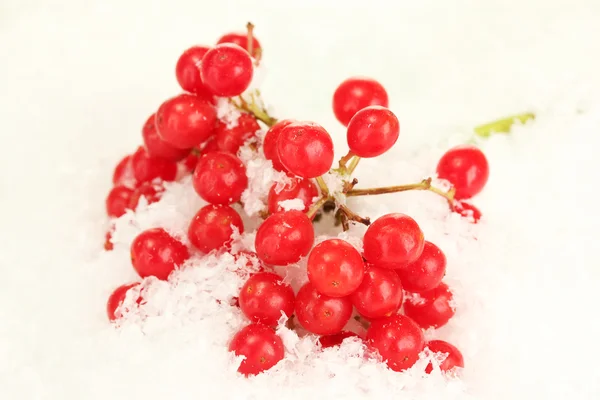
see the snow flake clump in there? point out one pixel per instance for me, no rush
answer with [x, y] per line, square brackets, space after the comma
[227, 112]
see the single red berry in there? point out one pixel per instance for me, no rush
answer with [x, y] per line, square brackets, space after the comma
[156, 147]
[227, 70]
[220, 178]
[147, 168]
[241, 39]
[433, 308]
[427, 272]
[398, 339]
[467, 210]
[156, 253]
[264, 297]
[149, 190]
[298, 188]
[336, 339]
[453, 357]
[123, 173]
[284, 238]
[116, 300]
[187, 71]
[270, 143]
[322, 314]
[117, 201]
[185, 121]
[212, 227]
[231, 139]
[372, 131]
[108, 245]
[260, 346]
[379, 295]
[305, 149]
[335, 268]
[466, 168]
[393, 241]
[356, 93]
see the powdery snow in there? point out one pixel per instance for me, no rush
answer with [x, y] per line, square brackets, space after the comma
[525, 278]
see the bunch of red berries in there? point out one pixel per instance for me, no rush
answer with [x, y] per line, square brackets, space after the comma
[397, 268]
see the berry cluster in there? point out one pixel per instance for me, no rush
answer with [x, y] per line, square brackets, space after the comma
[394, 287]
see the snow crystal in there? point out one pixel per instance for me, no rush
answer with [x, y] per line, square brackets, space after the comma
[292, 204]
[227, 112]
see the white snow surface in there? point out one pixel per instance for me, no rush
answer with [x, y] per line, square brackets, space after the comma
[78, 81]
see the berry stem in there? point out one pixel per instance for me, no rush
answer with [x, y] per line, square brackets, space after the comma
[344, 220]
[425, 184]
[254, 108]
[363, 322]
[344, 160]
[502, 125]
[352, 216]
[322, 186]
[353, 163]
[250, 28]
[317, 206]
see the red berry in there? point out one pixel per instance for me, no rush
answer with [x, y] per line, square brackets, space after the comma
[453, 357]
[427, 272]
[335, 268]
[241, 39]
[270, 143]
[190, 162]
[372, 131]
[322, 314]
[151, 191]
[123, 173]
[467, 210]
[466, 168]
[156, 147]
[356, 93]
[227, 70]
[185, 121]
[212, 227]
[264, 297]
[397, 339]
[220, 178]
[433, 308]
[156, 253]
[116, 299]
[284, 238]
[108, 245]
[147, 168]
[117, 201]
[187, 71]
[379, 295]
[335, 339]
[209, 146]
[393, 241]
[231, 139]
[305, 149]
[298, 188]
[260, 346]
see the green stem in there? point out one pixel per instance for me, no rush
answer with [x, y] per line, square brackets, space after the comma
[502, 125]
[317, 206]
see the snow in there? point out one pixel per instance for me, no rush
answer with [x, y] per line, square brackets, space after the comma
[525, 279]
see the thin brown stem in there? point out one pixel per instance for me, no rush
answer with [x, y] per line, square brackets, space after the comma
[317, 206]
[344, 160]
[425, 184]
[349, 185]
[352, 216]
[250, 28]
[322, 186]
[344, 220]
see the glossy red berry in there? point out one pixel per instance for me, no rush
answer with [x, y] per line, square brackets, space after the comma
[123, 173]
[466, 168]
[398, 339]
[227, 70]
[427, 272]
[117, 201]
[147, 168]
[356, 93]
[284, 237]
[117, 298]
[264, 297]
[231, 139]
[260, 346]
[212, 227]
[241, 39]
[298, 188]
[321, 314]
[336, 339]
[433, 308]
[270, 143]
[156, 147]
[466, 210]
[379, 295]
[335, 268]
[452, 356]
[187, 71]
[305, 149]
[220, 178]
[372, 131]
[151, 191]
[393, 241]
[156, 253]
[185, 121]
